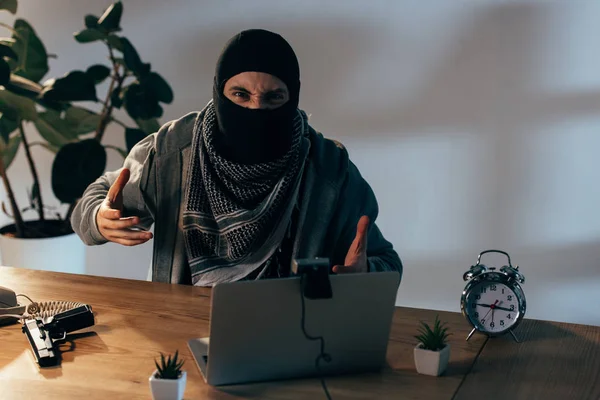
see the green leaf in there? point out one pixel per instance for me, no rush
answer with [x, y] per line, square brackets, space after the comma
[98, 73]
[23, 87]
[111, 18]
[161, 89]
[433, 339]
[17, 107]
[130, 54]
[8, 151]
[30, 89]
[7, 126]
[148, 125]
[115, 98]
[74, 86]
[141, 103]
[75, 167]
[132, 59]
[7, 51]
[158, 111]
[428, 329]
[91, 21]
[423, 332]
[8, 41]
[32, 57]
[53, 129]
[133, 136]
[89, 35]
[115, 42]
[80, 121]
[4, 72]
[9, 5]
[169, 368]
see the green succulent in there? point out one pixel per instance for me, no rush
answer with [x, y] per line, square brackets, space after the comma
[169, 368]
[433, 339]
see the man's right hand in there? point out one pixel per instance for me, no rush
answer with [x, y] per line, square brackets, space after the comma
[110, 221]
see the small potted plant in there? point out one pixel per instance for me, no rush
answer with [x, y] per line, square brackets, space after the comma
[432, 352]
[168, 381]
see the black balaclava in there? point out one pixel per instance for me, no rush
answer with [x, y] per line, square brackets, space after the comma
[251, 136]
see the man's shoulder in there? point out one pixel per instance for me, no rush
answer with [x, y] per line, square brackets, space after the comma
[175, 135]
[329, 156]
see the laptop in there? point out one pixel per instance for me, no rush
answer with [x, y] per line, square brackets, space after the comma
[256, 330]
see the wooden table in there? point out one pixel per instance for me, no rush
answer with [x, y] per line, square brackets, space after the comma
[135, 320]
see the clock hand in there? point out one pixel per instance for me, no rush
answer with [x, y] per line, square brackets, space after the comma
[486, 314]
[491, 308]
[494, 306]
[498, 306]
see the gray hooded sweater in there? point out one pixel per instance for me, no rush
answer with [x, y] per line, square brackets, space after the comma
[333, 198]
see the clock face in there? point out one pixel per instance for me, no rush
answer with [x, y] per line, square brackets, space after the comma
[492, 307]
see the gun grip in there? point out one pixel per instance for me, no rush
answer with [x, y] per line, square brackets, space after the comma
[41, 343]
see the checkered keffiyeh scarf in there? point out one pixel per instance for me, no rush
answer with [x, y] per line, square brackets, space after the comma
[230, 209]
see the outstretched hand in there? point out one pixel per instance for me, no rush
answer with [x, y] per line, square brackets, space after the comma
[110, 221]
[356, 258]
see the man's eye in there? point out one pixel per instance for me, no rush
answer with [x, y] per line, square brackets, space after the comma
[276, 97]
[241, 95]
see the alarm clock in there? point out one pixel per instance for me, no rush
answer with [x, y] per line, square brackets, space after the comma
[493, 301]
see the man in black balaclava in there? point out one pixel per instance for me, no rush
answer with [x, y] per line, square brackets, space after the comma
[249, 132]
[240, 188]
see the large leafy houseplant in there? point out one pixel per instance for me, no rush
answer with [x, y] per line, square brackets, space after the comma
[69, 129]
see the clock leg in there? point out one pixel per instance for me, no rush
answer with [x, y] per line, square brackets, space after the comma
[514, 336]
[471, 334]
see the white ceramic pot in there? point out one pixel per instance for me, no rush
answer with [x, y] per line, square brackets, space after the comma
[167, 389]
[62, 253]
[429, 362]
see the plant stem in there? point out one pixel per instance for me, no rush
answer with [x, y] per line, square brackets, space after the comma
[36, 180]
[19, 224]
[107, 106]
[70, 211]
[10, 28]
[105, 116]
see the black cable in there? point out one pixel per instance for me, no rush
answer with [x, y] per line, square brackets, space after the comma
[322, 354]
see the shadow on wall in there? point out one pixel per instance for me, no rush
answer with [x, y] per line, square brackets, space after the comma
[565, 293]
[347, 42]
[489, 79]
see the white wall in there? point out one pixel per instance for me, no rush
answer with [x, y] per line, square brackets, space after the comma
[477, 124]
